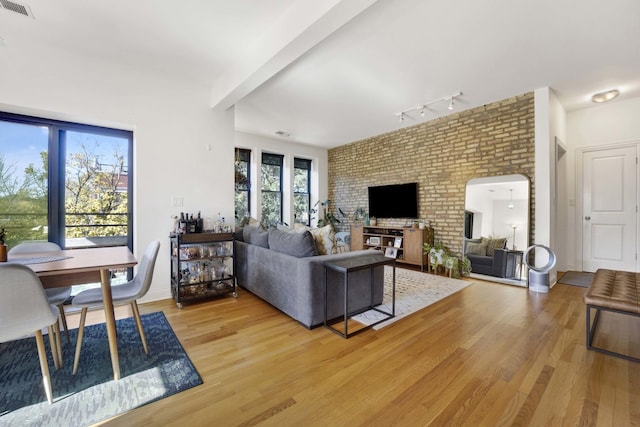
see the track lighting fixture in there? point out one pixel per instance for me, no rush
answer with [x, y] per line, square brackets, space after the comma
[422, 107]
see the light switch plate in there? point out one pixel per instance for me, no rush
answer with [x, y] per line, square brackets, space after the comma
[176, 202]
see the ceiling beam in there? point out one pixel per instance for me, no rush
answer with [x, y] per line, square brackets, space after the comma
[302, 27]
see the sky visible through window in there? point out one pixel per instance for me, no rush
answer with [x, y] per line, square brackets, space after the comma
[21, 145]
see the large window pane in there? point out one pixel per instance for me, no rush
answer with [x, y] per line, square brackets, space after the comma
[23, 181]
[96, 190]
[271, 178]
[301, 190]
[243, 183]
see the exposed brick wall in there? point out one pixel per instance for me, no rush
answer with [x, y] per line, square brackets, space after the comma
[441, 155]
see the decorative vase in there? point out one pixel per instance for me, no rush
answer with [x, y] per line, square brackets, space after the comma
[3, 253]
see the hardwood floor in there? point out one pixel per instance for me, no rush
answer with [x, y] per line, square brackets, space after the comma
[489, 355]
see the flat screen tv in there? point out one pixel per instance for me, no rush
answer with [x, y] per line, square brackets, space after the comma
[394, 201]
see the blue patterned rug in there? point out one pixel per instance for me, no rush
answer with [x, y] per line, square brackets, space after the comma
[92, 395]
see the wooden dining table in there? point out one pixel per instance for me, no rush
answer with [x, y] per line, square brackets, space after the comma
[80, 266]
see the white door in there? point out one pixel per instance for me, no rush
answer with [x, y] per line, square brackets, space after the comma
[609, 209]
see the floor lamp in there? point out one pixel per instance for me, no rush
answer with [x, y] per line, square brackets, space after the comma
[513, 244]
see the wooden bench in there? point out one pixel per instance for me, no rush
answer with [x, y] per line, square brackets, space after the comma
[615, 291]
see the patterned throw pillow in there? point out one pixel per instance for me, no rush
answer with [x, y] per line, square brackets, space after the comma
[494, 244]
[324, 237]
[477, 248]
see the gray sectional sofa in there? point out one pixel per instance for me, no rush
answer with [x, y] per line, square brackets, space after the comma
[283, 269]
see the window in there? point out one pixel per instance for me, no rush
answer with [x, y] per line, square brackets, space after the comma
[243, 184]
[301, 190]
[271, 178]
[65, 182]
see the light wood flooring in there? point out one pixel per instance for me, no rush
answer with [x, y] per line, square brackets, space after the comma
[489, 355]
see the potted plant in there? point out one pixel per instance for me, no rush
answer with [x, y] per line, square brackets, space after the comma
[436, 253]
[358, 215]
[3, 245]
[327, 217]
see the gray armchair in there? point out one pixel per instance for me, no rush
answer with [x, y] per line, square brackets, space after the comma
[487, 256]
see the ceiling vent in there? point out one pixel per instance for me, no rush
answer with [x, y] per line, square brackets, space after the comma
[12, 6]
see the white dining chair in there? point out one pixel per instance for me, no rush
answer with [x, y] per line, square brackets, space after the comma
[56, 296]
[20, 287]
[127, 293]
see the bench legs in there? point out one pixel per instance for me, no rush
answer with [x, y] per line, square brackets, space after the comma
[591, 330]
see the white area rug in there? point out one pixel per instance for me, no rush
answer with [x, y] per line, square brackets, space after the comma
[414, 291]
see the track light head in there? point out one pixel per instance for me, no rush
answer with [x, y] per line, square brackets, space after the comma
[426, 106]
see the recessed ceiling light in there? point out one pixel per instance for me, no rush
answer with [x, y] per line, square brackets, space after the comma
[283, 133]
[605, 96]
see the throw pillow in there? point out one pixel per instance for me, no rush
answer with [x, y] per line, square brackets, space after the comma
[296, 244]
[494, 244]
[324, 237]
[256, 236]
[251, 222]
[477, 248]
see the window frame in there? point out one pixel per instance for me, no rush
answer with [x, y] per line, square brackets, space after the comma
[56, 168]
[272, 159]
[303, 164]
[244, 155]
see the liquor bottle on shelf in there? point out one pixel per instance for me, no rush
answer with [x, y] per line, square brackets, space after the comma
[182, 224]
[199, 223]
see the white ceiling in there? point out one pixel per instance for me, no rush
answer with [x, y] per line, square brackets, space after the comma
[335, 71]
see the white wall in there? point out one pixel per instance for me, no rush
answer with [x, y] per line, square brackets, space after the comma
[181, 147]
[606, 125]
[319, 171]
[550, 122]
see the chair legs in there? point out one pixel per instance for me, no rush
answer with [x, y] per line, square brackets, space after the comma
[136, 316]
[63, 318]
[44, 366]
[53, 344]
[83, 318]
[76, 359]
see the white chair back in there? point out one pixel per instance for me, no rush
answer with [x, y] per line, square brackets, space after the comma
[142, 281]
[23, 303]
[35, 247]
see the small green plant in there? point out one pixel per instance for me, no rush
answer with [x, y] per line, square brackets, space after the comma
[436, 253]
[358, 215]
[440, 255]
[327, 217]
[3, 235]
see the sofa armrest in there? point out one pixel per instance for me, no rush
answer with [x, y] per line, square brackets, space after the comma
[500, 262]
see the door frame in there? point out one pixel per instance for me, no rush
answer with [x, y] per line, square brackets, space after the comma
[579, 213]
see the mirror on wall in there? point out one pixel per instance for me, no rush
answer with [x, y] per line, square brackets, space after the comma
[496, 227]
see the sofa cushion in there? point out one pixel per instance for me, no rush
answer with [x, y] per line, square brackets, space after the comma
[474, 248]
[494, 244]
[256, 236]
[296, 244]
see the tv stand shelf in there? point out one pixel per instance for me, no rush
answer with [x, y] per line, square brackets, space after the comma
[408, 241]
